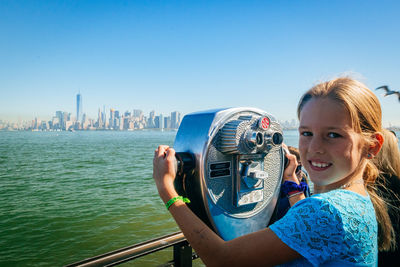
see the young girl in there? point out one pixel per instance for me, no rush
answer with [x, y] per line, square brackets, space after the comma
[340, 124]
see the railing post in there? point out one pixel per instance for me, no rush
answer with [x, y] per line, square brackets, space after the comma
[183, 254]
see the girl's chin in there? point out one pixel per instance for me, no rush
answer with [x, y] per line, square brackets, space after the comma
[320, 180]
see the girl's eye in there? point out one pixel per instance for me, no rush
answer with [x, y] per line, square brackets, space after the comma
[305, 133]
[334, 135]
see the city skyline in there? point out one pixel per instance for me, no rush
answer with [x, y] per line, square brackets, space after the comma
[78, 105]
[191, 56]
[116, 120]
[63, 120]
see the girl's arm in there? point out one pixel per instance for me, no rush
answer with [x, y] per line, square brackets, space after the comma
[262, 248]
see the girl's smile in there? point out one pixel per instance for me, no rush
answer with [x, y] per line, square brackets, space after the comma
[319, 166]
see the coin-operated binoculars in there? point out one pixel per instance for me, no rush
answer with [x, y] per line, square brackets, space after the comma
[230, 164]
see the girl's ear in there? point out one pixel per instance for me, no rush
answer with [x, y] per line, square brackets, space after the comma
[377, 142]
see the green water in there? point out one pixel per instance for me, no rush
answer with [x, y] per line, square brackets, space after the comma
[67, 196]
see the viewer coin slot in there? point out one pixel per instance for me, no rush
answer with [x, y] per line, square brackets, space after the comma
[220, 165]
[217, 173]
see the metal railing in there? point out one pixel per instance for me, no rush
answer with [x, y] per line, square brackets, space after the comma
[183, 254]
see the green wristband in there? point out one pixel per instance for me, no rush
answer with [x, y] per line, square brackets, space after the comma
[175, 199]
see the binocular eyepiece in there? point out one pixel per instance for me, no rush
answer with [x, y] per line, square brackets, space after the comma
[243, 136]
[185, 163]
[248, 135]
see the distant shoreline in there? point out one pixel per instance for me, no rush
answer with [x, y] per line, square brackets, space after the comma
[392, 128]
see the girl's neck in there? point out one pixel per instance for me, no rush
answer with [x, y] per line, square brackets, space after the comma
[353, 182]
[355, 185]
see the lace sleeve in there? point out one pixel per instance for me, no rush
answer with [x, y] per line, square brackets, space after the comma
[312, 227]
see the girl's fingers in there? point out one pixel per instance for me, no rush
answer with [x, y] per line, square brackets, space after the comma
[292, 164]
[170, 154]
[290, 170]
[160, 151]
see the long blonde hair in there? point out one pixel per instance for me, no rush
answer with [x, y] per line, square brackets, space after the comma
[388, 159]
[366, 116]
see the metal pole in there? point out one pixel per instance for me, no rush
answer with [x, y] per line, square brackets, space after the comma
[129, 253]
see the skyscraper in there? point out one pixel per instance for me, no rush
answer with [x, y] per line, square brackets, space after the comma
[104, 117]
[150, 120]
[175, 119]
[159, 122]
[99, 119]
[78, 107]
[112, 118]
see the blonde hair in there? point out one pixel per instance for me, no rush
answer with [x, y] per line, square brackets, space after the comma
[388, 162]
[366, 117]
[388, 159]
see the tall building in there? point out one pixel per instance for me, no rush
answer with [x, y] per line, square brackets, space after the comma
[55, 123]
[66, 120]
[159, 122]
[60, 116]
[104, 117]
[99, 119]
[117, 120]
[175, 119]
[112, 117]
[78, 107]
[150, 121]
[167, 122]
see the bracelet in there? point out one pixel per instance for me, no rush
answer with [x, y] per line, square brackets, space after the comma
[295, 194]
[290, 186]
[175, 199]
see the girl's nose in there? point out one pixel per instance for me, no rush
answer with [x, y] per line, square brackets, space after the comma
[316, 145]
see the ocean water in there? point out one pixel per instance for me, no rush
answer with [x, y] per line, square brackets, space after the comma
[67, 196]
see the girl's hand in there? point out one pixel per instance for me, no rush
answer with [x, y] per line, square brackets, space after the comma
[289, 173]
[164, 171]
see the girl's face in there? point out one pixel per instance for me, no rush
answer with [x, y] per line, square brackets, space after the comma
[330, 150]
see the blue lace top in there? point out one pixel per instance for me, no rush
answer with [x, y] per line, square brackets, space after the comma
[337, 228]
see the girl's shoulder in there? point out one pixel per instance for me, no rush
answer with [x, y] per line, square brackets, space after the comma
[327, 226]
[340, 202]
[343, 199]
[341, 194]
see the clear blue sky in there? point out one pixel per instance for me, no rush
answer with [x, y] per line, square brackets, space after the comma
[190, 55]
